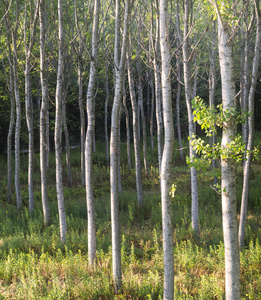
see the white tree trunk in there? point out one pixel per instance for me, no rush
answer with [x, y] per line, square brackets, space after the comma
[11, 122]
[212, 89]
[114, 142]
[167, 155]
[246, 29]
[140, 101]
[89, 138]
[250, 144]
[9, 141]
[127, 126]
[17, 125]
[28, 101]
[43, 118]
[228, 167]
[156, 63]
[29, 120]
[181, 156]
[58, 129]
[119, 150]
[82, 119]
[151, 87]
[135, 133]
[189, 97]
[106, 103]
[67, 141]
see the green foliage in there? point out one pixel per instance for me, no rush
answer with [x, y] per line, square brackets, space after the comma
[209, 119]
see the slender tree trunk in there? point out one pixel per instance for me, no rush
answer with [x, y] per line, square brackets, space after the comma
[192, 129]
[29, 120]
[114, 142]
[212, 89]
[181, 156]
[167, 155]
[11, 122]
[228, 167]
[58, 129]
[152, 104]
[28, 101]
[14, 71]
[47, 132]
[43, 118]
[9, 142]
[106, 103]
[89, 138]
[140, 101]
[135, 132]
[244, 64]
[17, 128]
[67, 141]
[119, 152]
[127, 126]
[156, 62]
[250, 144]
[82, 119]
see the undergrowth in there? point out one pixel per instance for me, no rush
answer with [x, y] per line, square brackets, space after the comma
[35, 265]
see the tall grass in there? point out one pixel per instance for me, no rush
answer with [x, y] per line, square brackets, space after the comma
[35, 265]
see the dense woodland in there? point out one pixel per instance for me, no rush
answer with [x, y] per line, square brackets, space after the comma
[129, 148]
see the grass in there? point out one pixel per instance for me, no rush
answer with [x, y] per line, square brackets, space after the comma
[35, 265]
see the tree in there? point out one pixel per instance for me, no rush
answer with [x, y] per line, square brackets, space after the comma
[119, 67]
[228, 167]
[212, 88]
[79, 49]
[250, 137]
[12, 117]
[127, 125]
[192, 127]
[167, 153]
[140, 100]
[14, 32]
[136, 139]
[58, 127]
[43, 117]
[89, 137]
[156, 64]
[28, 46]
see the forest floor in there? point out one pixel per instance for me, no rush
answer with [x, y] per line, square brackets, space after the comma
[35, 265]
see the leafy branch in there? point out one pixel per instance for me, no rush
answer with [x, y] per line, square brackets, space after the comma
[209, 119]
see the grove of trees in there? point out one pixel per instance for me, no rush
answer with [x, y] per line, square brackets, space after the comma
[74, 72]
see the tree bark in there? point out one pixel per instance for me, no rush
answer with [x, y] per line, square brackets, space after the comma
[28, 101]
[228, 167]
[250, 139]
[114, 142]
[156, 63]
[135, 131]
[12, 118]
[82, 118]
[167, 155]
[18, 109]
[58, 129]
[106, 102]
[192, 128]
[89, 138]
[212, 89]
[9, 140]
[67, 138]
[152, 111]
[178, 98]
[127, 126]
[43, 118]
[140, 101]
